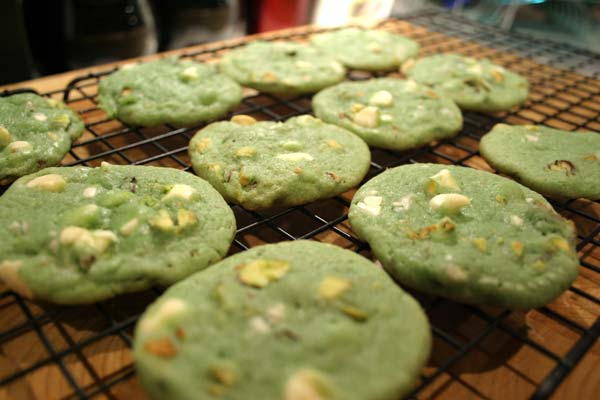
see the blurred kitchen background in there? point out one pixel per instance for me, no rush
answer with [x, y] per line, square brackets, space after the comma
[42, 37]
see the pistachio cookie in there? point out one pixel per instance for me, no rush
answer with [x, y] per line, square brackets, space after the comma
[293, 321]
[389, 113]
[282, 67]
[262, 165]
[550, 161]
[369, 50]
[474, 84]
[173, 91]
[35, 132]
[78, 235]
[466, 234]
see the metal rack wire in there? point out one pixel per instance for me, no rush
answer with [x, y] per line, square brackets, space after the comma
[84, 352]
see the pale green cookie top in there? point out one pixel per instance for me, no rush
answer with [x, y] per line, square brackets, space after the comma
[389, 113]
[178, 92]
[35, 132]
[466, 234]
[475, 84]
[77, 235]
[370, 50]
[551, 161]
[290, 321]
[263, 165]
[282, 67]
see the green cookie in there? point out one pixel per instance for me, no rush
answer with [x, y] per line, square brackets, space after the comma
[474, 84]
[291, 321]
[35, 132]
[389, 113]
[167, 91]
[551, 161]
[282, 67]
[262, 165]
[369, 50]
[466, 234]
[78, 235]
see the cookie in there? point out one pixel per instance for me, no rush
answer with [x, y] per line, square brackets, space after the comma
[35, 132]
[369, 50]
[295, 320]
[474, 84]
[389, 113]
[466, 234]
[282, 67]
[550, 161]
[262, 165]
[77, 235]
[167, 91]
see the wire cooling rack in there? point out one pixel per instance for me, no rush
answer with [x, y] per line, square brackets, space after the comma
[51, 351]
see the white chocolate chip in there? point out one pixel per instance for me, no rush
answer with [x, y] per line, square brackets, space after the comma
[337, 67]
[374, 47]
[259, 325]
[303, 64]
[488, 280]
[105, 164]
[9, 274]
[295, 156]
[456, 273]
[90, 191]
[40, 117]
[20, 146]
[381, 98]
[103, 239]
[410, 85]
[371, 204]
[445, 180]
[190, 73]
[308, 384]
[169, 309]
[529, 200]
[368, 117]
[179, 191]
[129, 227]
[306, 119]
[48, 183]
[475, 69]
[449, 203]
[403, 204]
[276, 313]
[386, 117]
[72, 234]
[532, 138]
[5, 137]
[128, 65]
[516, 220]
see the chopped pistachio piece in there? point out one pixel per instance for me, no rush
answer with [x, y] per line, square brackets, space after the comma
[374, 47]
[480, 243]
[9, 274]
[260, 273]
[224, 375]
[449, 203]
[19, 146]
[61, 120]
[368, 117]
[167, 310]
[243, 120]
[334, 144]
[186, 218]
[517, 248]
[381, 98]
[332, 287]
[354, 313]
[163, 347]
[356, 107]
[245, 151]
[162, 221]
[48, 183]
[203, 144]
[560, 243]
[5, 137]
[501, 199]
[539, 265]
[407, 65]
[498, 76]
[562, 165]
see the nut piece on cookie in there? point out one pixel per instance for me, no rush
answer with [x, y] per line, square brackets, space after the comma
[5, 137]
[48, 183]
[259, 273]
[308, 384]
[449, 203]
[332, 287]
[243, 120]
[367, 117]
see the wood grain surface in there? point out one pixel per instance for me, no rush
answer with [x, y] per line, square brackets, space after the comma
[479, 352]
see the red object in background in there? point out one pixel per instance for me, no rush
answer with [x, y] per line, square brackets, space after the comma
[278, 14]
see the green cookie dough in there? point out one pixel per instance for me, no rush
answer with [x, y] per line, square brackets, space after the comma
[474, 84]
[262, 165]
[466, 234]
[35, 132]
[77, 235]
[389, 113]
[550, 161]
[369, 50]
[167, 91]
[282, 67]
[291, 321]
